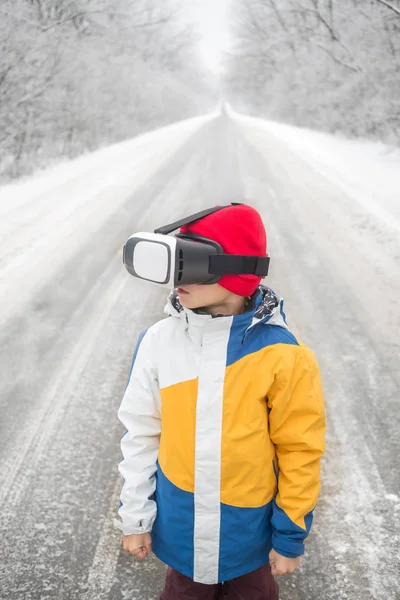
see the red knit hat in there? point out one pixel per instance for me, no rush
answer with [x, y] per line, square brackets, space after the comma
[239, 230]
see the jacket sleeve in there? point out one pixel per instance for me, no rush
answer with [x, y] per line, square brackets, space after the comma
[140, 414]
[297, 429]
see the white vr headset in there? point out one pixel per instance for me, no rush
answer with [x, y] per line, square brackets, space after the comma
[184, 258]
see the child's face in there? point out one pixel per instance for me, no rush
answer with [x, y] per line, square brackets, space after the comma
[214, 298]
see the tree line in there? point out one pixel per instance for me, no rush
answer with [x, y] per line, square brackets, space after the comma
[79, 74]
[327, 64]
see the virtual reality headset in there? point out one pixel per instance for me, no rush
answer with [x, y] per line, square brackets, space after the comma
[184, 259]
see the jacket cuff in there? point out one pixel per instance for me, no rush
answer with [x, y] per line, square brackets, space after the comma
[287, 547]
[144, 526]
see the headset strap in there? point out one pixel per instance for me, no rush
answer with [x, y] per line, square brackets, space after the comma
[166, 229]
[231, 264]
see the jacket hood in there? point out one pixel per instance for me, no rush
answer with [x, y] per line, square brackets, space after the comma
[265, 308]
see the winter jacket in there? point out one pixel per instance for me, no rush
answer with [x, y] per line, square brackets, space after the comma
[225, 431]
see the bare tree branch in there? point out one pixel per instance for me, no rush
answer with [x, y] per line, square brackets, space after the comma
[389, 39]
[44, 83]
[337, 60]
[321, 19]
[282, 24]
[389, 5]
[160, 21]
[330, 9]
[256, 23]
[4, 74]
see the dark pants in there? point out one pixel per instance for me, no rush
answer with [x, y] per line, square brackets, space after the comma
[258, 585]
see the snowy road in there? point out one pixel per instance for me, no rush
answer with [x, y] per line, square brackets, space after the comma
[70, 316]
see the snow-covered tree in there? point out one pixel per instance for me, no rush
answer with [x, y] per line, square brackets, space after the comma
[78, 74]
[328, 64]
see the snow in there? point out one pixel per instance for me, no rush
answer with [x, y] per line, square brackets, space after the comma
[393, 498]
[331, 207]
[368, 172]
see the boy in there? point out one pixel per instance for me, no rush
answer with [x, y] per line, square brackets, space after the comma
[224, 416]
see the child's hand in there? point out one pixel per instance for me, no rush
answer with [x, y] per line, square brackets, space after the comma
[280, 565]
[138, 544]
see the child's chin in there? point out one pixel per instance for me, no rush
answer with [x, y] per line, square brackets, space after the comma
[188, 302]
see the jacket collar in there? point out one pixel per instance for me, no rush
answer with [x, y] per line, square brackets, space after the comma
[265, 308]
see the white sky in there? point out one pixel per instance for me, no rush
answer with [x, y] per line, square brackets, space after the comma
[212, 18]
